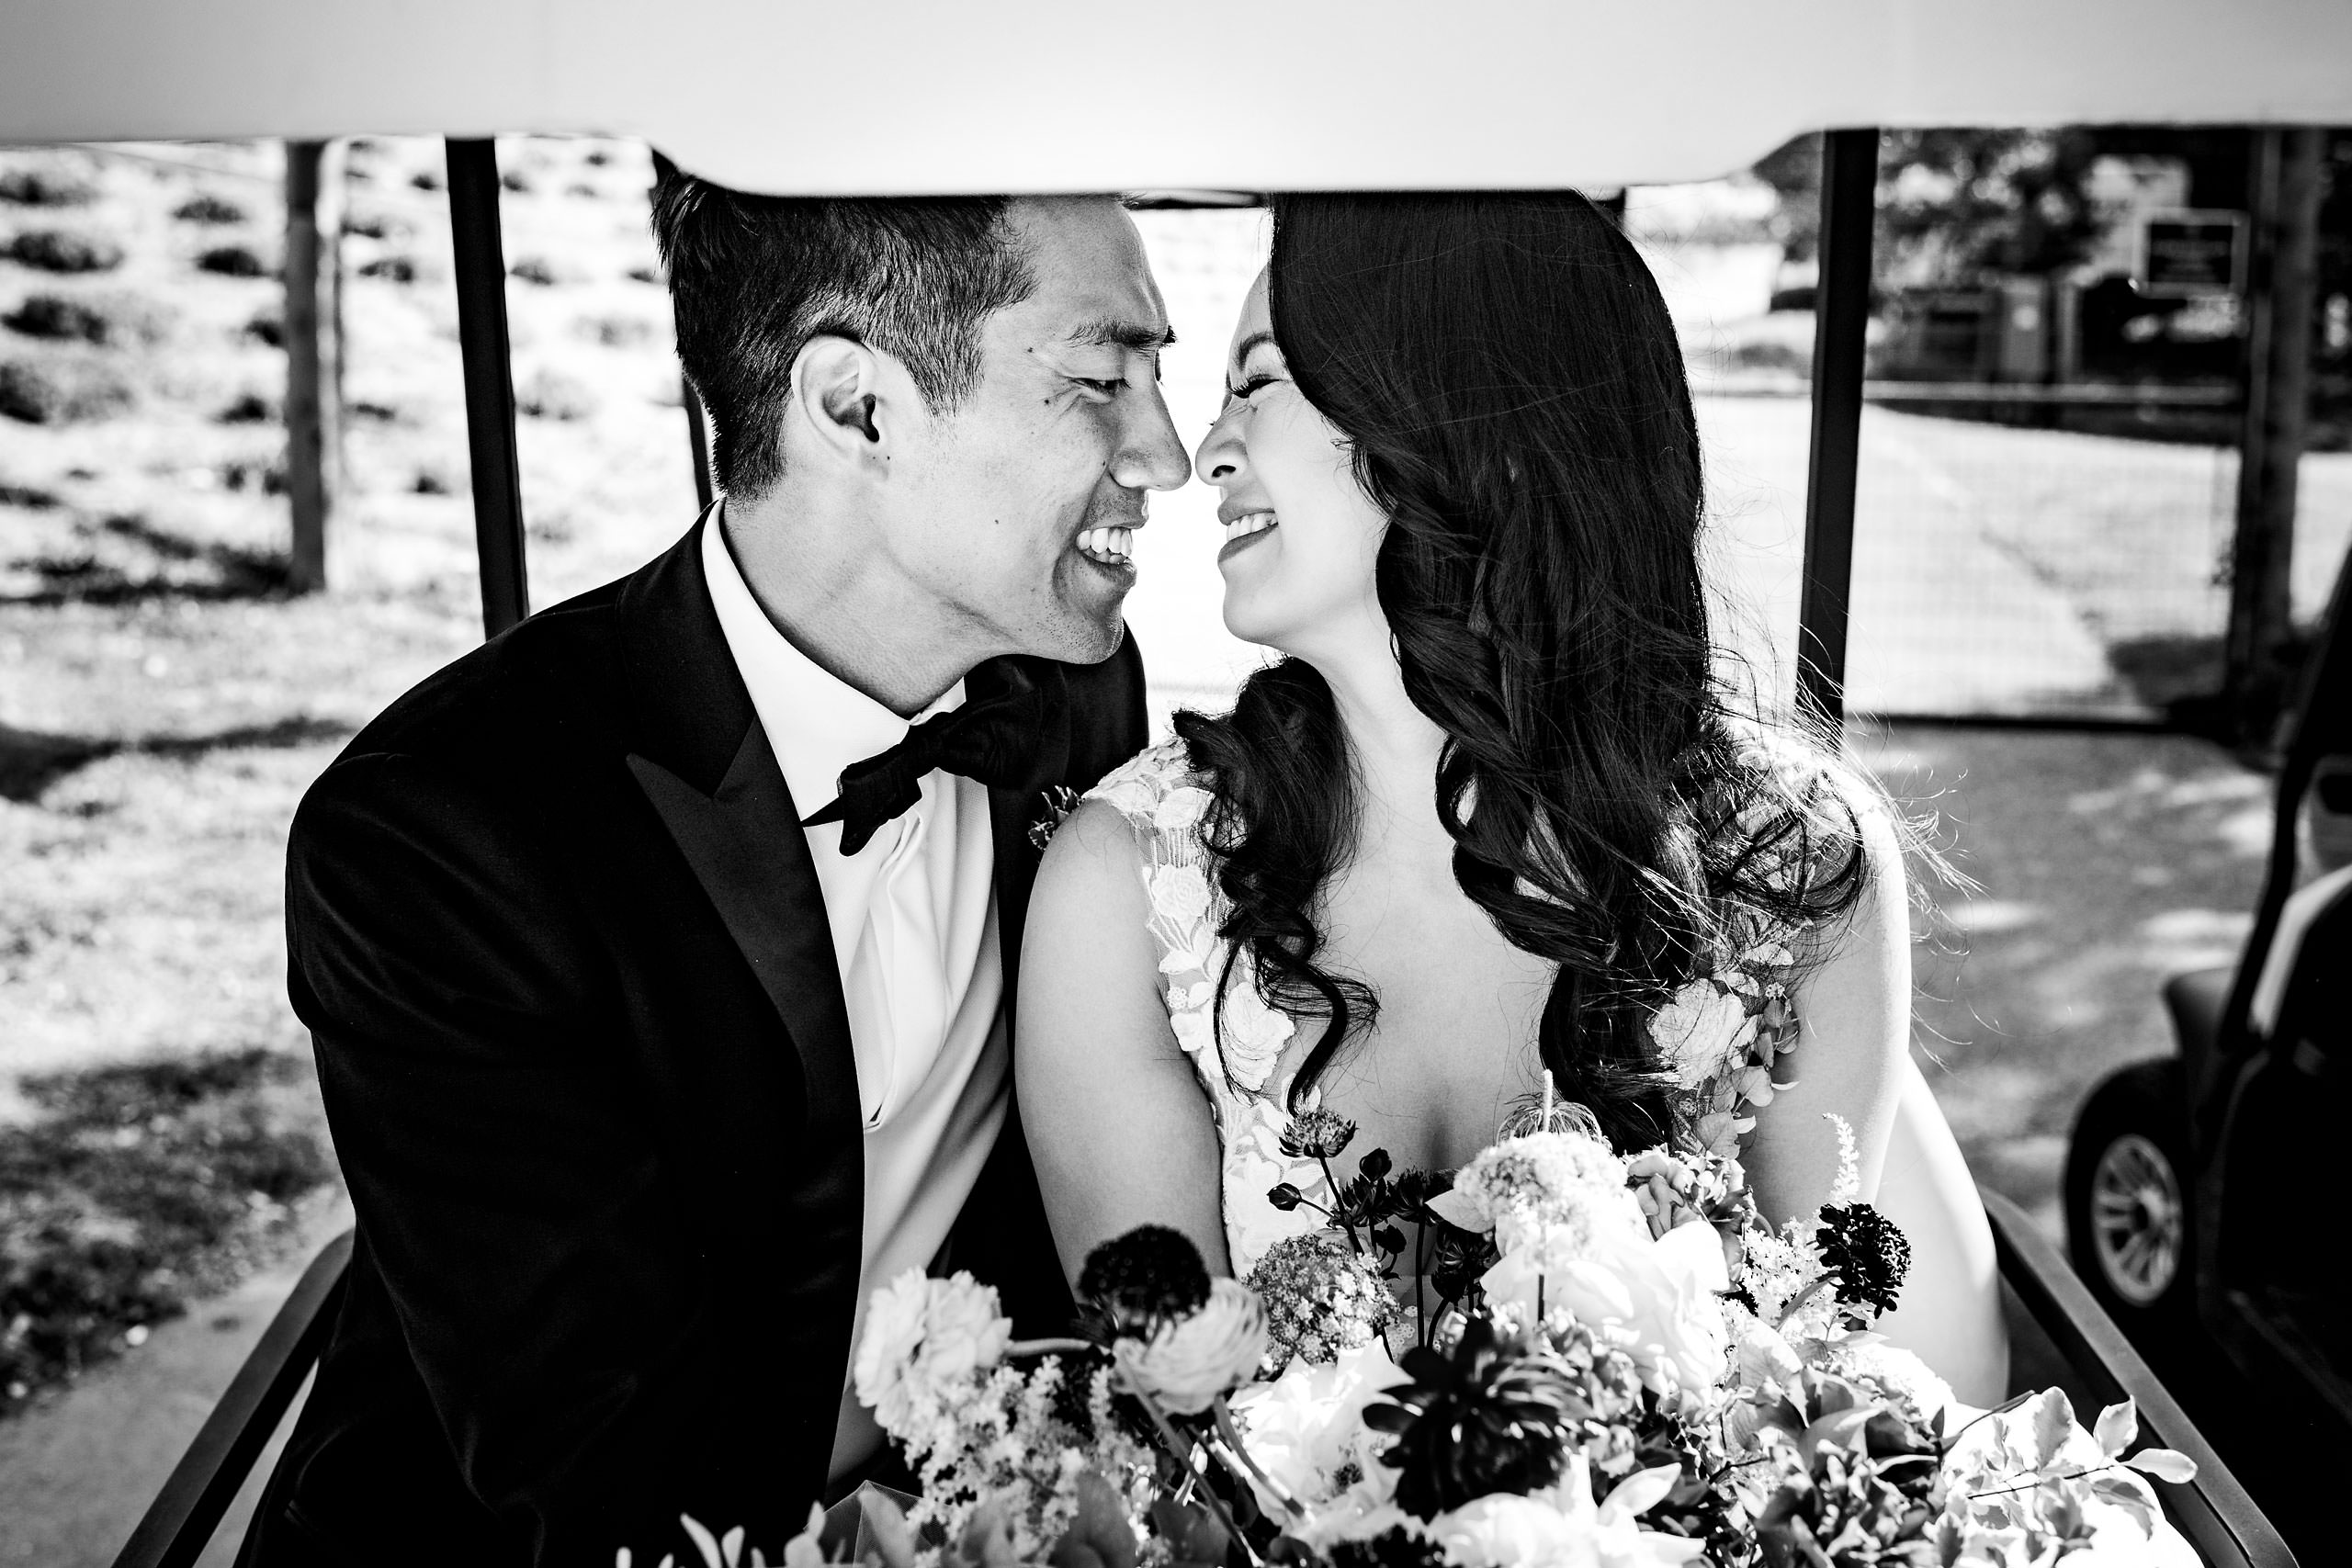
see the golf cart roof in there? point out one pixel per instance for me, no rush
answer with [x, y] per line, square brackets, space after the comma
[941, 96]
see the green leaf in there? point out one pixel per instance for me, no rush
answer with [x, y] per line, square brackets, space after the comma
[2117, 1425]
[2054, 1423]
[2164, 1464]
[705, 1543]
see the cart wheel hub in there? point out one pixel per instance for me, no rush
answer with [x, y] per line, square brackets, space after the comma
[2139, 1222]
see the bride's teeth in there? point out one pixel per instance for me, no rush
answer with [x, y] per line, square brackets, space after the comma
[1242, 527]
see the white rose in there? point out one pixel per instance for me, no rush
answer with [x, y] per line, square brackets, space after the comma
[1698, 1023]
[1254, 1033]
[1189, 1362]
[886, 1350]
[1179, 808]
[1129, 792]
[1307, 1424]
[1662, 1295]
[1504, 1529]
[1179, 892]
[964, 1329]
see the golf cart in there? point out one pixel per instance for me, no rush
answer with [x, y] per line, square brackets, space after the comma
[2190, 1178]
[1278, 97]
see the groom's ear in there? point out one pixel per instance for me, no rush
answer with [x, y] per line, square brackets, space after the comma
[842, 400]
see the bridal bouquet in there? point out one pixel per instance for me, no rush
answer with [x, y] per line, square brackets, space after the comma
[1598, 1363]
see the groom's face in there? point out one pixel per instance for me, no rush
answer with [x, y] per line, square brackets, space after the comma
[1008, 506]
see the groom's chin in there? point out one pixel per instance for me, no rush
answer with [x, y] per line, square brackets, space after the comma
[1095, 641]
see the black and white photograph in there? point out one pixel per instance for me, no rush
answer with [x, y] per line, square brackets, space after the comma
[1271, 786]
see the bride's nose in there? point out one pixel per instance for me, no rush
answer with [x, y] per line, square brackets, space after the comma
[1220, 460]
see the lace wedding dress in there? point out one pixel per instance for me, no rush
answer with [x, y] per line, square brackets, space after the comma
[1723, 1033]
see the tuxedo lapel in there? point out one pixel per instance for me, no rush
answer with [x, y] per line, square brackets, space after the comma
[705, 764]
[746, 850]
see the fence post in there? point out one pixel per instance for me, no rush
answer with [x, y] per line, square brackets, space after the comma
[1841, 314]
[2280, 291]
[480, 258]
[313, 353]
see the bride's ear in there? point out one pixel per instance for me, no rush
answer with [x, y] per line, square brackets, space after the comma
[840, 400]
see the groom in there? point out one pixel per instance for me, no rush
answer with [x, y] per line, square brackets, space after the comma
[646, 1058]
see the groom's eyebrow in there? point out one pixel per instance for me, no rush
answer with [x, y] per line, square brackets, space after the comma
[1111, 332]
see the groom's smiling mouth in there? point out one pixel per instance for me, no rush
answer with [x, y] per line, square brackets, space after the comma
[1110, 546]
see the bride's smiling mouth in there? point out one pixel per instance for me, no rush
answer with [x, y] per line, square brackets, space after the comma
[1245, 530]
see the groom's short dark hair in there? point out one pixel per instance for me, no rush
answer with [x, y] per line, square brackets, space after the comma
[755, 278]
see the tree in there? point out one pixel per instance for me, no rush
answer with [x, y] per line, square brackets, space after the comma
[1954, 207]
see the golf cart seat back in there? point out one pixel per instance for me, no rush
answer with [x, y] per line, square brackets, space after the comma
[2304, 1003]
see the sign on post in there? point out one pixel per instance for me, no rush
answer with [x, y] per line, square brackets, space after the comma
[2186, 251]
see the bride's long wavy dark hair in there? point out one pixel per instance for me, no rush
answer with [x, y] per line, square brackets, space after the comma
[1504, 370]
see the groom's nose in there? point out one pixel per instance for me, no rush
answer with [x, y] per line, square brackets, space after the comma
[1149, 454]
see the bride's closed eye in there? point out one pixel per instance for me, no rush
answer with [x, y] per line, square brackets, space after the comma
[1241, 393]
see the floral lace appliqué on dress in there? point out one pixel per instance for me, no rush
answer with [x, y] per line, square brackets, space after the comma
[1723, 1033]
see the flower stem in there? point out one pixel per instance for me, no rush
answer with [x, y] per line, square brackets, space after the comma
[1181, 1453]
[1023, 1349]
[1332, 1183]
[1236, 1452]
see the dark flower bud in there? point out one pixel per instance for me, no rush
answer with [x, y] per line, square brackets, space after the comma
[1865, 1254]
[1316, 1134]
[1144, 1278]
[1389, 1239]
[1373, 1166]
[1285, 1197]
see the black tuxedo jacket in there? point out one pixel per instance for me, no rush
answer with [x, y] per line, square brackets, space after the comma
[554, 927]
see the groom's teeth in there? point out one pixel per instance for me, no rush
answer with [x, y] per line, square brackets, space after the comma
[1110, 546]
[1242, 527]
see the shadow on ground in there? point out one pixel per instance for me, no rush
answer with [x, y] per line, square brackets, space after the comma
[125, 559]
[31, 760]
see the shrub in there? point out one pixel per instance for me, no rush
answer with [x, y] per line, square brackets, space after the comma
[251, 408]
[369, 225]
[267, 476]
[551, 394]
[615, 331]
[233, 261]
[392, 269]
[535, 269]
[55, 316]
[61, 391]
[645, 275]
[432, 481]
[133, 1189]
[516, 181]
[206, 207]
[45, 188]
[61, 250]
[597, 158]
[268, 328]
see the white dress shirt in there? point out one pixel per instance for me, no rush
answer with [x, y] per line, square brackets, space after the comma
[914, 928]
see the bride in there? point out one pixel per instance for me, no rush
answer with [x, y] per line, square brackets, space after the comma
[1488, 817]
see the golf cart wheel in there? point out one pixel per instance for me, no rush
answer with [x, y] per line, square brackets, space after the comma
[2129, 1197]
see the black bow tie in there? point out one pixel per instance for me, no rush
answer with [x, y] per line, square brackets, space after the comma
[994, 740]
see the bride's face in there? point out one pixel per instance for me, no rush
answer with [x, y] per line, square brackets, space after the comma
[1301, 537]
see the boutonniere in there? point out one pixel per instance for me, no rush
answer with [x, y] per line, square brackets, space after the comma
[1059, 801]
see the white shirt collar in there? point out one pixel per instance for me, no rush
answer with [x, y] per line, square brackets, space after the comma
[817, 723]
